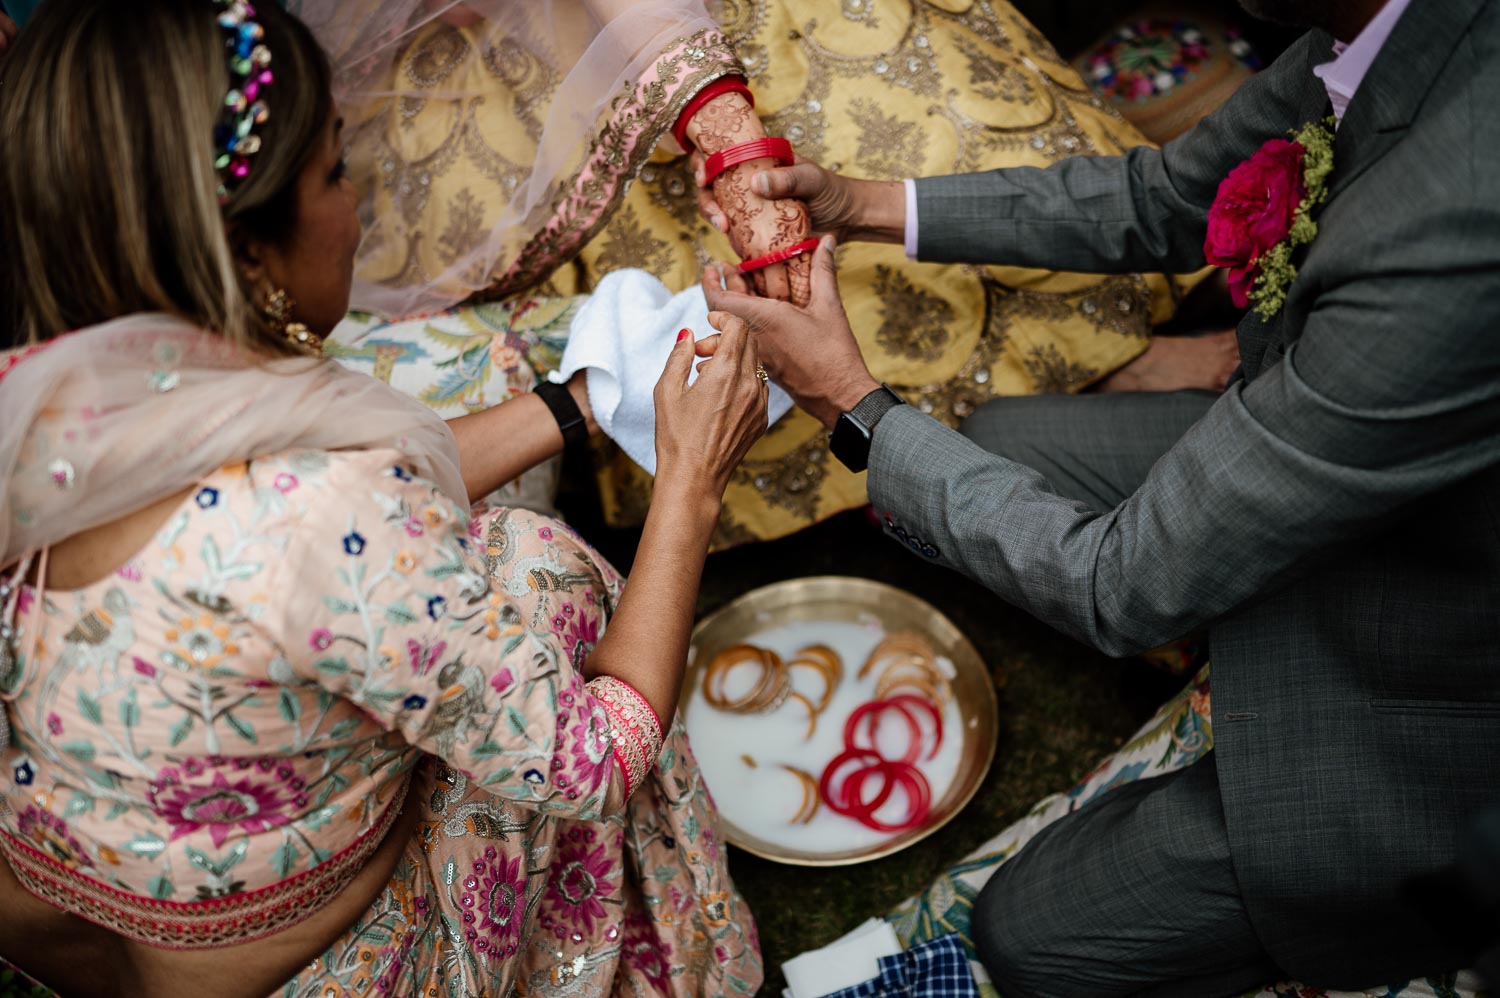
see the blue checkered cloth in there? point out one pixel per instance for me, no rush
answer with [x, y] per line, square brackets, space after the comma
[937, 969]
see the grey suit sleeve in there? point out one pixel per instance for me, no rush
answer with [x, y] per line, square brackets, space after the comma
[1143, 211]
[1392, 393]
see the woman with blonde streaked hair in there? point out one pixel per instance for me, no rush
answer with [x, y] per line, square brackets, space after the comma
[275, 716]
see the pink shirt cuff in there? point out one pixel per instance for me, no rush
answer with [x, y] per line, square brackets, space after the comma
[911, 219]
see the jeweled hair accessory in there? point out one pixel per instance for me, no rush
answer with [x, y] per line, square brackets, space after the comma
[235, 140]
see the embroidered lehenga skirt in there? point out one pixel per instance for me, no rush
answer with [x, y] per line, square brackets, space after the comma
[631, 906]
[882, 89]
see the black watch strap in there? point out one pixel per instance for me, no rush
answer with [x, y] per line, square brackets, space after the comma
[869, 410]
[850, 441]
[575, 429]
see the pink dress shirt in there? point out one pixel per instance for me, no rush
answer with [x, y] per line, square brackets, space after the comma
[1352, 60]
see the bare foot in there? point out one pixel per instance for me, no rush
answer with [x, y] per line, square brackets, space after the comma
[1172, 363]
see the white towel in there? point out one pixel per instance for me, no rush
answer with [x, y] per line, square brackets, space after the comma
[851, 959]
[623, 336]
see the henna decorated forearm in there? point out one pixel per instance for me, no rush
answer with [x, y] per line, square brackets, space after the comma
[724, 121]
[757, 226]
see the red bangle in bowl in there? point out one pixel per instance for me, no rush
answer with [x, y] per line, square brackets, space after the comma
[768, 148]
[779, 256]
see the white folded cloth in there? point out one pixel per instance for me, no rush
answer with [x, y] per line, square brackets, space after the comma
[851, 959]
[623, 336]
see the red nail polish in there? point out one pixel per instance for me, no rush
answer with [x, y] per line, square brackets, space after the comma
[684, 335]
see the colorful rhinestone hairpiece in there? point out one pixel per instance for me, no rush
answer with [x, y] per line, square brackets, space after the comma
[235, 140]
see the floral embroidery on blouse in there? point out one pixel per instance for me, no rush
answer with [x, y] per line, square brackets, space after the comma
[242, 701]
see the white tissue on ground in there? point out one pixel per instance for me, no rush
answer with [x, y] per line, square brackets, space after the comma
[623, 336]
[849, 960]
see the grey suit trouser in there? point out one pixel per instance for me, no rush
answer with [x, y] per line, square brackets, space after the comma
[1134, 893]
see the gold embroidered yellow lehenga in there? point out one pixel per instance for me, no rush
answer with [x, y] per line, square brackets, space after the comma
[873, 88]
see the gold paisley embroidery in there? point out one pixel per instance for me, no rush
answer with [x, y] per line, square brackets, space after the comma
[790, 481]
[993, 79]
[955, 399]
[889, 148]
[436, 57]
[670, 187]
[804, 122]
[531, 79]
[1052, 372]
[914, 322]
[465, 228]
[860, 12]
[1121, 305]
[627, 243]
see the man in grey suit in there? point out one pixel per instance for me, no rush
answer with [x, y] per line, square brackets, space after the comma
[1333, 518]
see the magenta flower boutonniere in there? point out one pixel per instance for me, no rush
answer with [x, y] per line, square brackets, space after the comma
[1263, 212]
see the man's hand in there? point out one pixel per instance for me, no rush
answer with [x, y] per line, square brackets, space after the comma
[810, 351]
[847, 209]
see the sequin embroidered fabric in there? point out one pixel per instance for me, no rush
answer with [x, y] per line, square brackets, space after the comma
[633, 727]
[209, 741]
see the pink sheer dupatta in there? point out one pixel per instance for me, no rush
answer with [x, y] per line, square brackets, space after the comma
[107, 420]
[491, 139]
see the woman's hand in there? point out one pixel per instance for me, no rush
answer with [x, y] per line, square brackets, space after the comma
[845, 208]
[702, 433]
[704, 430]
[756, 225]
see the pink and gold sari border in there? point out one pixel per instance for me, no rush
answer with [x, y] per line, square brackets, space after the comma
[644, 111]
[184, 925]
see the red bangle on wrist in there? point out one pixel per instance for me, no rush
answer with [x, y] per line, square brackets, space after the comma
[778, 149]
[779, 256]
[718, 88]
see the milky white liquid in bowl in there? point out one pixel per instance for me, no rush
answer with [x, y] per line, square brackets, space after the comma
[763, 800]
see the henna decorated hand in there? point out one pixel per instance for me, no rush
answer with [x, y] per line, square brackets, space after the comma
[755, 225]
[843, 207]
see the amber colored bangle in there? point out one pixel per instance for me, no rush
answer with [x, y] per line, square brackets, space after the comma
[768, 148]
[770, 691]
[907, 642]
[811, 799]
[826, 662]
[779, 256]
[812, 713]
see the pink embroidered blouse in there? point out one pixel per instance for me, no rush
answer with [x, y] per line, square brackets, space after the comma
[208, 743]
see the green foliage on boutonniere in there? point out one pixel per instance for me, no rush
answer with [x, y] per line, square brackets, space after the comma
[1276, 269]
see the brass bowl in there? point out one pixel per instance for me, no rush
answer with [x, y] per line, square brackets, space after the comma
[846, 599]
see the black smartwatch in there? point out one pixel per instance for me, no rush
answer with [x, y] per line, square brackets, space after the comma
[851, 434]
[575, 429]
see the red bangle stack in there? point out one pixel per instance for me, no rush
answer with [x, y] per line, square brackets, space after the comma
[779, 256]
[718, 88]
[778, 149]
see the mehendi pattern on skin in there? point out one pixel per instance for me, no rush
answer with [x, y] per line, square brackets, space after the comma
[757, 226]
